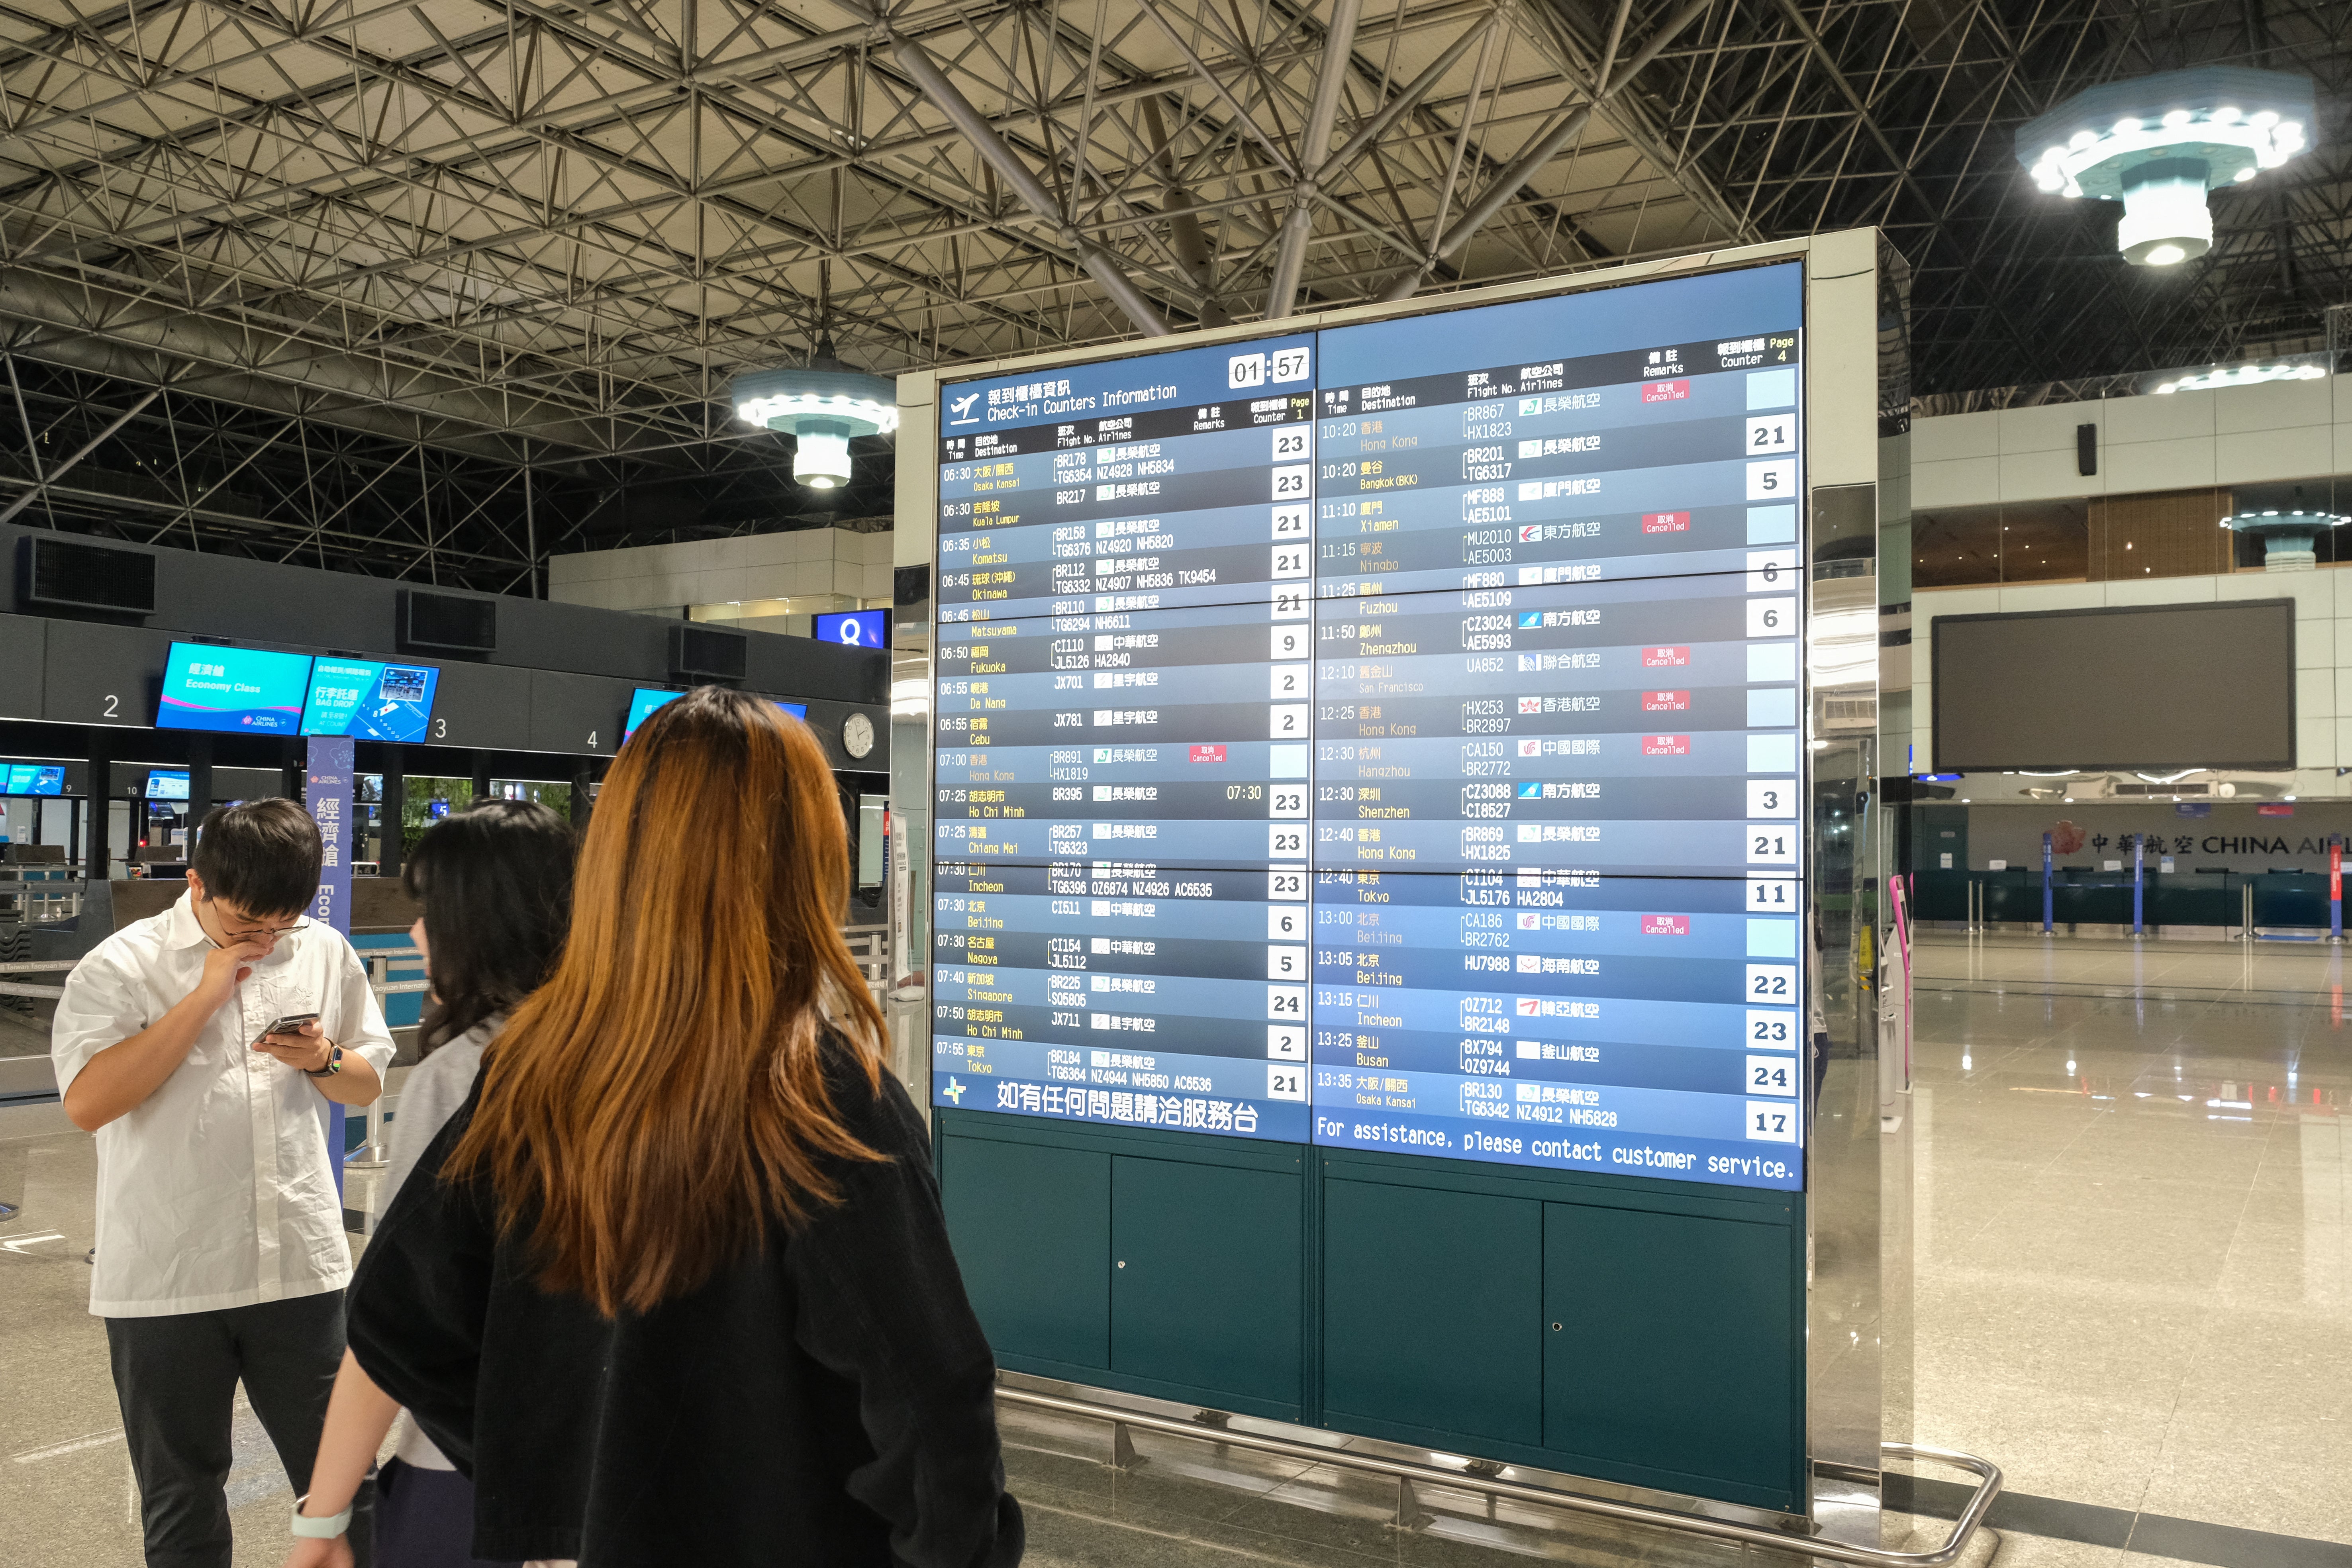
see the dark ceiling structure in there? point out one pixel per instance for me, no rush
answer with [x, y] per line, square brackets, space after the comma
[434, 288]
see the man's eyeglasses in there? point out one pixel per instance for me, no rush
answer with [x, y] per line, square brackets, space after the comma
[256, 933]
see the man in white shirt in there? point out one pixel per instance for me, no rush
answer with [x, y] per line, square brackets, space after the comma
[220, 1256]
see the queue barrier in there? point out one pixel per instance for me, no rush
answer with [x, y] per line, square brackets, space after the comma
[1484, 1478]
[2233, 902]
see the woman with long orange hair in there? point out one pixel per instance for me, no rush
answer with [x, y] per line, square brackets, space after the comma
[682, 1292]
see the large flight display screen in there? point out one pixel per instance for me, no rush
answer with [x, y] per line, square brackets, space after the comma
[1389, 737]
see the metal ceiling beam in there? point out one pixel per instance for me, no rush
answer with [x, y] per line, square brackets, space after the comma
[1507, 184]
[1331, 75]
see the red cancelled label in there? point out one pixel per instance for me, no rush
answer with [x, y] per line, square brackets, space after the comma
[2274, 811]
[1666, 925]
[1666, 745]
[1661, 657]
[1665, 522]
[1666, 392]
[1665, 702]
[1208, 754]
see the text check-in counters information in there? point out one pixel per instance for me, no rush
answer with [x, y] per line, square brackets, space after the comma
[1123, 707]
[1390, 737]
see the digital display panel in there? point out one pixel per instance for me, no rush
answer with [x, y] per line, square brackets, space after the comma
[237, 690]
[34, 778]
[645, 699]
[2148, 687]
[370, 700]
[165, 784]
[1388, 737]
[856, 628]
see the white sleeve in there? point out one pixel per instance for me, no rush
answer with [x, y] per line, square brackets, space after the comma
[359, 1019]
[429, 1096]
[102, 1006]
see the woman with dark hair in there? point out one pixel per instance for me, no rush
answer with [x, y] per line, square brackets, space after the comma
[683, 1293]
[495, 886]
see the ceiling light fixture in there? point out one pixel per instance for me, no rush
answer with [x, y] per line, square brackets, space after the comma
[821, 406]
[2159, 143]
[2238, 375]
[2286, 534]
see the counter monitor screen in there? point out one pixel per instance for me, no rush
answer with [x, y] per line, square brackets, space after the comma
[162, 784]
[856, 628]
[370, 700]
[34, 778]
[645, 699]
[1387, 737]
[236, 690]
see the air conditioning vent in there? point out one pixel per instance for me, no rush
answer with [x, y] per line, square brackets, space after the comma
[698, 652]
[447, 623]
[71, 575]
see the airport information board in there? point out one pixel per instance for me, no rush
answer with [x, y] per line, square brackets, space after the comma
[1388, 737]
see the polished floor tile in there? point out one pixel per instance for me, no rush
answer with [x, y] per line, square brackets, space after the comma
[2131, 1270]
[2130, 1231]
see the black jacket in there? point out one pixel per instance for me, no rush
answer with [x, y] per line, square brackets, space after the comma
[829, 1400]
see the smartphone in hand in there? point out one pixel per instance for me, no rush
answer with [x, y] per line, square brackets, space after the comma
[292, 1024]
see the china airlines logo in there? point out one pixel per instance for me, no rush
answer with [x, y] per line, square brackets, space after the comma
[1666, 745]
[1666, 925]
[1662, 657]
[1665, 702]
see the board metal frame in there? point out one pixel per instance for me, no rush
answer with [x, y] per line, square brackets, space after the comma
[1855, 1154]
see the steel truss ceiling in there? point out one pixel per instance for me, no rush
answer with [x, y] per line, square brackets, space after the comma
[543, 235]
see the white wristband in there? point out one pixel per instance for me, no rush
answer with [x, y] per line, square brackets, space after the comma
[310, 1529]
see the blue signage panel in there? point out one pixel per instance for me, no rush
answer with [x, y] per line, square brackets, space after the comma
[645, 699]
[856, 628]
[1389, 738]
[35, 778]
[369, 700]
[327, 791]
[236, 690]
[166, 784]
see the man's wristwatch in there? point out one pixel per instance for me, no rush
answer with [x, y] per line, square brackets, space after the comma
[310, 1529]
[334, 1064]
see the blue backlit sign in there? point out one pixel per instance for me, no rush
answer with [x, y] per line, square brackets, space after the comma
[32, 778]
[369, 700]
[236, 690]
[645, 699]
[856, 628]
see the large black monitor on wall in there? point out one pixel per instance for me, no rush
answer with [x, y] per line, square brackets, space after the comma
[2157, 686]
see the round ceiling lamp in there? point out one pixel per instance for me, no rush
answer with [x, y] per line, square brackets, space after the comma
[2287, 534]
[821, 406]
[2238, 375]
[2157, 144]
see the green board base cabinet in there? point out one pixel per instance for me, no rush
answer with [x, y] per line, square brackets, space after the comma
[1647, 1332]
[1134, 1260]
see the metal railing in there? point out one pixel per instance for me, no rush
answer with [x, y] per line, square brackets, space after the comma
[37, 966]
[37, 901]
[1411, 1474]
[870, 947]
[373, 1154]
